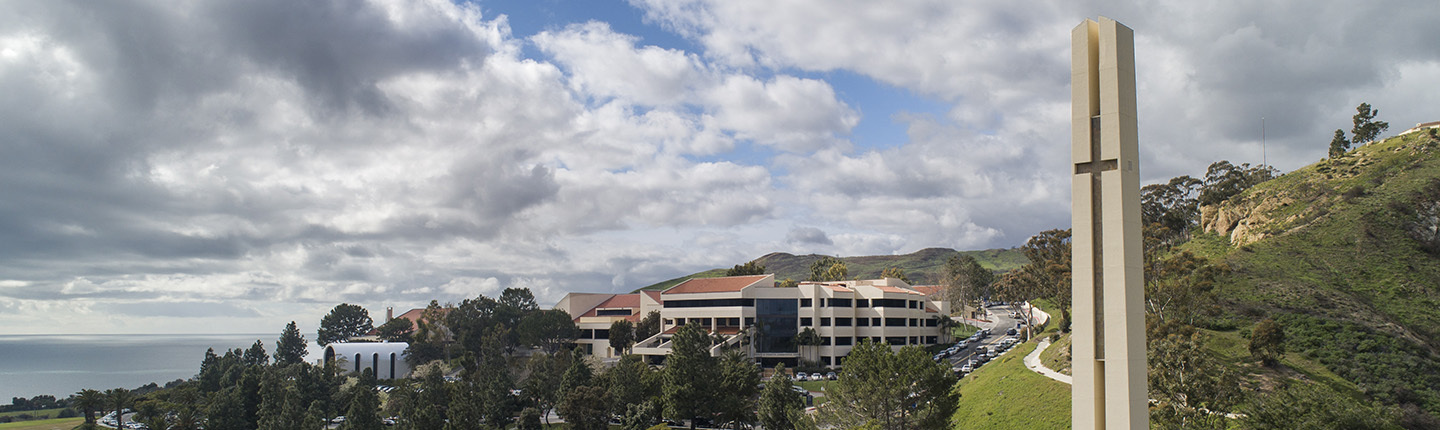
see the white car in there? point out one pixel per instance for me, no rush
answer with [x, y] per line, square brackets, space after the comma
[817, 377]
[801, 377]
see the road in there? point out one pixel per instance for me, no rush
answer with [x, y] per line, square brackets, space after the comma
[1000, 320]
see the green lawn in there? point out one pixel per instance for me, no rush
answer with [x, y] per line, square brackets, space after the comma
[35, 413]
[1005, 395]
[55, 424]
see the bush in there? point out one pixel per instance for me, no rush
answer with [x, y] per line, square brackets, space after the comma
[68, 413]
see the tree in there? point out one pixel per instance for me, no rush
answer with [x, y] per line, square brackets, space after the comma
[513, 306]
[622, 335]
[290, 349]
[808, 337]
[750, 268]
[542, 387]
[1180, 287]
[631, 382]
[1339, 145]
[688, 379]
[895, 272]
[903, 390]
[550, 329]
[739, 382]
[396, 330]
[428, 342]
[1168, 211]
[777, 401]
[90, 401]
[256, 355]
[964, 279]
[1366, 128]
[364, 405]
[585, 408]
[119, 399]
[639, 416]
[1224, 180]
[342, 323]
[1047, 274]
[470, 321]
[529, 419]
[828, 269]
[648, 326]
[1192, 388]
[1267, 341]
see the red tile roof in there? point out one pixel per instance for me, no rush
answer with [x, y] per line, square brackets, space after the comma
[618, 301]
[890, 289]
[715, 285]
[929, 290]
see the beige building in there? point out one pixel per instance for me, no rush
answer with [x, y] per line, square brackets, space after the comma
[753, 308]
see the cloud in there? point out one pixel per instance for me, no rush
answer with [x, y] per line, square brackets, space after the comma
[807, 236]
[280, 157]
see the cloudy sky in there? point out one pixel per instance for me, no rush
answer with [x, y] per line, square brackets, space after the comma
[229, 166]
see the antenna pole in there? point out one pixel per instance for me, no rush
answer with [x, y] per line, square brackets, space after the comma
[1264, 158]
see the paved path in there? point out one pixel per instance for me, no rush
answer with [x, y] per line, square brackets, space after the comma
[1033, 362]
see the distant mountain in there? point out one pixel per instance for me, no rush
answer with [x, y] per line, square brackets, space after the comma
[923, 267]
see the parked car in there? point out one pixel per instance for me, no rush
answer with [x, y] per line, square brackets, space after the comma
[1011, 332]
[967, 368]
[817, 377]
[832, 376]
[801, 376]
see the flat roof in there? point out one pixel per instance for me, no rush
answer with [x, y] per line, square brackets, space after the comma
[727, 284]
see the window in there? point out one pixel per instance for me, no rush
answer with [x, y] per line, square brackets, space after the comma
[825, 360]
[709, 303]
[842, 322]
[587, 334]
[804, 303]
[669, 321]
[824, 341]
[913, 323]
[875, 339]
[844, 341]
[898, 340]
[894, 322]
[824, 322]
[875, 322]
[862, 303]
[822, 302]
[749, 321]
[914, 340]
[931, 323]
[602, 333]
[913, 304]
[888, 303]
[929, 340]
[862, 322]
[612, 313]
[806, 322]
[840, 303]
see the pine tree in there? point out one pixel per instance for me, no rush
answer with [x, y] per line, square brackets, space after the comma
[364, 405]
[689, 383]
[1366, 128]
[290, 349]
[1339, 144]
[777, 400]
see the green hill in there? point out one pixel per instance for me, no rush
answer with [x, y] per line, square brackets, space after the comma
[1344, 254]
[923, 267]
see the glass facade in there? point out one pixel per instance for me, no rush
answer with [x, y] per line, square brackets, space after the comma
[778, 323]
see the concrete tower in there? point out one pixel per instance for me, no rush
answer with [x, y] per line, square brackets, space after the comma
[1108, 330]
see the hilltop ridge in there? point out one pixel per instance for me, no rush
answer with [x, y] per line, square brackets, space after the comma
[923, 267]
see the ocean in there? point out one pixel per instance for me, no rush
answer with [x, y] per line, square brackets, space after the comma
[61, 365]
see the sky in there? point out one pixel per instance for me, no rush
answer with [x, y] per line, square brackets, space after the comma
[230, 166]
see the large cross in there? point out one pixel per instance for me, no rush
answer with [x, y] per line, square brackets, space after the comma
[1108, 330]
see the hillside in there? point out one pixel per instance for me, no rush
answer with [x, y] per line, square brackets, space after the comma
[1343, 253]
[923, 267]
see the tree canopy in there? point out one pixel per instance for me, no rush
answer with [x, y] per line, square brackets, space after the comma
[1366, 128]
[290, 349]
[342, 323]
[827, 269]
[890, 390]
[750, 268]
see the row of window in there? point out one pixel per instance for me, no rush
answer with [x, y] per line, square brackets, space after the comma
[870, 322]
[863, 303]
[892, 340]
[804, 303]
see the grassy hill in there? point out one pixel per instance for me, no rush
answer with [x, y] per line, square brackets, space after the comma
[923, 267]
[1338, 253]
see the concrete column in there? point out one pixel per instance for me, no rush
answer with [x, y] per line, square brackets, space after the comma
[1108, 327]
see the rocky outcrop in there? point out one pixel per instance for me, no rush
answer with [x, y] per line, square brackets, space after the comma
[1249, 219]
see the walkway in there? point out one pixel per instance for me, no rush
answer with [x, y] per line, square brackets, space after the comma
[1033, 362]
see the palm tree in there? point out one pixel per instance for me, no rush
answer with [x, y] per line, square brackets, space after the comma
[946, 324]
[119, 399]
[807, 337]
[90, 401]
